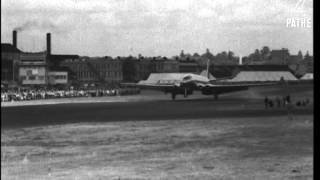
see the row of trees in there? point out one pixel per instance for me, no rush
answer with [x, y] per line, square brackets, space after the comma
[225, 57]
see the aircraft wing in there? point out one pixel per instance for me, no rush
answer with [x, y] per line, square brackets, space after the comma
[198, 85]
[242, 84]
[222, 88]
[150, 85]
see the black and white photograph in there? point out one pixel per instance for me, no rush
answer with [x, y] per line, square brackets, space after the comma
[157, 89]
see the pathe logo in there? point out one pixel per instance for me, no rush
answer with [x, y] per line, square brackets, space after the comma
[299, 22]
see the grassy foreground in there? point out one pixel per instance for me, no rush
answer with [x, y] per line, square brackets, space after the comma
[226, 148]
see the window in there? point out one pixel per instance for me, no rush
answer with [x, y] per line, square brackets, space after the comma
[41, 78]
[29, 72]
[23, 77]
[32, 78]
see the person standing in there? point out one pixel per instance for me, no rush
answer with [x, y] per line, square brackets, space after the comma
[288, 99]
[266, 102]
[284, 101]
[278, 102]
[289, 110]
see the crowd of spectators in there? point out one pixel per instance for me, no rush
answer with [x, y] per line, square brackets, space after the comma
[283, 102]
[34, 94]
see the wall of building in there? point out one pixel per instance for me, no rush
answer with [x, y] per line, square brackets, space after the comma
[9, 68]
[33, 68]
[90, 70]
[190, 67]
[170, 66]
[56, 77]
[33, 75]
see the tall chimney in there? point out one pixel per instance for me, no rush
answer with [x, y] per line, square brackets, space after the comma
[48, 43]
[14, 38]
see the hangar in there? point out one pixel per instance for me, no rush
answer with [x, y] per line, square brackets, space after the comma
[262, 76]
[307, 76]
[206, 74]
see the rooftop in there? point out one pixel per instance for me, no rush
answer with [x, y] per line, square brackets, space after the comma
[8, 48]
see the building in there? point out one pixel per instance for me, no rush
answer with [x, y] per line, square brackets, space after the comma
[33, 68]
[189, 67]
[25, 68]
[58, 77]
[135, 69]
[263, 76]
[10, 57]
[226, 71]
[144, 67]
[307, 76]
[280, 57]
[170, 66]
[294, 59]
[95, 70]
[54, 60]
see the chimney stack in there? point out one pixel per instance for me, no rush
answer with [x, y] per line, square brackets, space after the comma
[49, 43]
[14, 38]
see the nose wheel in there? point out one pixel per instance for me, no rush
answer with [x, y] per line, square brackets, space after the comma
[216, 96]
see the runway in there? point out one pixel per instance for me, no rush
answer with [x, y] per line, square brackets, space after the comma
[25, 116]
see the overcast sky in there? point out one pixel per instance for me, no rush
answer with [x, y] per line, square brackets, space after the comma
[156, 27]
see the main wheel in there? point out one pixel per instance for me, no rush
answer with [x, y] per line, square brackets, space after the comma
[185, 93]
[173, 96]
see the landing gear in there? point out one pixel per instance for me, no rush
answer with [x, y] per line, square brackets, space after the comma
[216, 96]
[185, 93]
[173, 96]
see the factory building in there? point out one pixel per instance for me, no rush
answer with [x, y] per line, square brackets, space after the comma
[33, 68]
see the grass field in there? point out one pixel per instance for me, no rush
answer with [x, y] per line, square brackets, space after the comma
[152, 137]
[242, 148]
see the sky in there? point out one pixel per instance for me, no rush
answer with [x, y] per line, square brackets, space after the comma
[156, 27]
